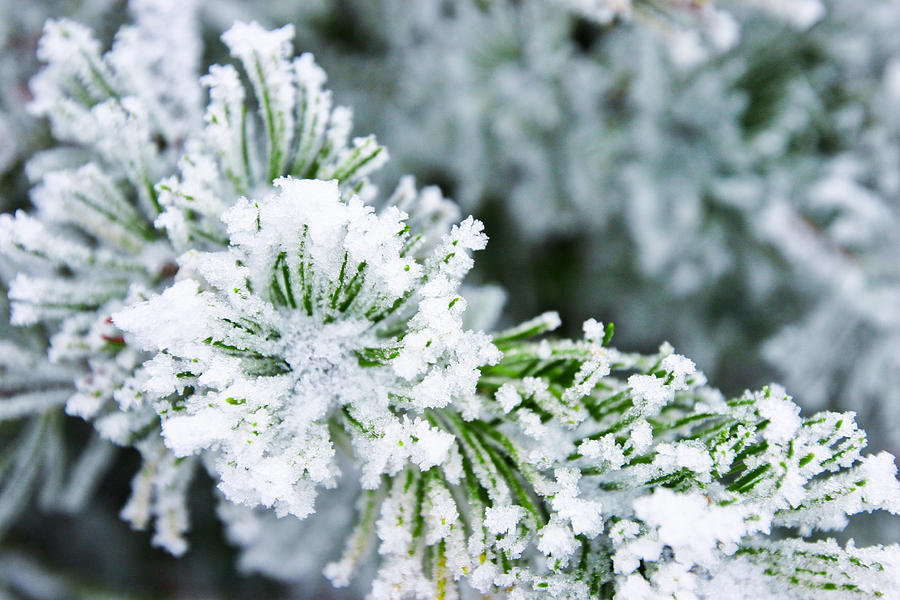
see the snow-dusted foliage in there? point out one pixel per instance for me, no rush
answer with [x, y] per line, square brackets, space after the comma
[679, 480]
[226, 289]
[94, 238]
[20, 135]
[316, 331]
[35, 465]
[39, 465]
[574, 465]
[317, 316]
[835, 221]
[299, 134]
[92, 235]
[717, 193]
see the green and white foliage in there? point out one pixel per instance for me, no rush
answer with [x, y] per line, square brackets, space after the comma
[610, 462]
[318, 316]
[91, 236]
[836, 218]
[678, 191]
[299, 133]
[35, 463]
[93, 239]
[20, 26]
[575, 470]
[224, 288]
[96, 199]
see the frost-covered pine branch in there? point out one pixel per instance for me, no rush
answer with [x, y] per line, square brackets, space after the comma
[725, 188]
[36, 462]
[304, 136]
[267, 367]
[262, 312]
[94, 238]
[332, 310]
[21, 136]
[92, 235]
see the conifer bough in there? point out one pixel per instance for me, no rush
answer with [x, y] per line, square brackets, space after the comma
[229, 291]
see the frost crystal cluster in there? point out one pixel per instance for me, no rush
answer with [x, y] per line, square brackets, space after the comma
[317, 317]
[225, 291]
